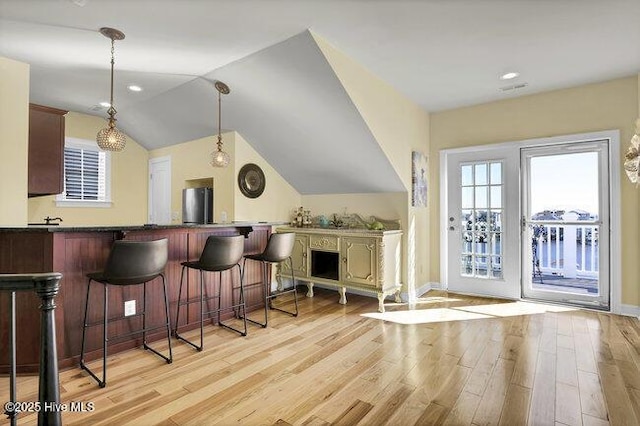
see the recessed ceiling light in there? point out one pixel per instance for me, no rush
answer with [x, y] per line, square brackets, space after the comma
[509, 75]
[105, 104]
[135, 88]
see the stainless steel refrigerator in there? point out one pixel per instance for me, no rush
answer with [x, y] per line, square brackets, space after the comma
[197, 205]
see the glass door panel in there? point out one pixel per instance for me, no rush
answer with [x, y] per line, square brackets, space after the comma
[565, 205]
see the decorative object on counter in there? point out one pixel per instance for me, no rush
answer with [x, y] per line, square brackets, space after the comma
[110, 138]
[375, 226]
[301, 218]
[219, 158]
[306, 219]
[355, 221]
[297, 217]
[323, 221]
[418, 179]
[251, 180]
[336, 222]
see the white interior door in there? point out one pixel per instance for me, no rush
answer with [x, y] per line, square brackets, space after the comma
[160, 190]
[482, 231]
[566, 222]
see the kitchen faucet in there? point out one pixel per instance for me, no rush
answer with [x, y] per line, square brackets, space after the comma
[48, 219]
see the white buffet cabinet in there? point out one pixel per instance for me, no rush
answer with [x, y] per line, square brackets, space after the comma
[356, 259]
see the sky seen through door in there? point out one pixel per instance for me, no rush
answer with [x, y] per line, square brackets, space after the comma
[565, 182]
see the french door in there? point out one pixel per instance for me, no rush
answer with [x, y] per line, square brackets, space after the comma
[482, 223]
[530, 220]
[565, 223]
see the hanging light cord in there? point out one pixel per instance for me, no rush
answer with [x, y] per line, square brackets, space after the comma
[112, 110]
[219, 121]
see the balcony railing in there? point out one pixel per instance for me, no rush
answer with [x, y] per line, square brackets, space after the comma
[570, 251]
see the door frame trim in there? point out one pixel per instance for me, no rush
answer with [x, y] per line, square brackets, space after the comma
[615, 249]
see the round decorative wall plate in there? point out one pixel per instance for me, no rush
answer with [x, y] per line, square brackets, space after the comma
[251, 180]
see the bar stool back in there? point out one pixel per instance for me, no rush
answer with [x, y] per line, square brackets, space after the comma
[278, 249]
[129, 263]
[220, 253]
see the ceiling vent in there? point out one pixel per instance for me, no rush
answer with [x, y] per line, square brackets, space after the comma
[513, 87]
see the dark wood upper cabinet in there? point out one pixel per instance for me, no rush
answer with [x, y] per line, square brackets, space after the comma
[46, 150]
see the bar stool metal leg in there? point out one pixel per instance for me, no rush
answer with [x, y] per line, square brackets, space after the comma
[241, 304]
[166, 310]
[201, 310]
[168, 359]
[105, 336]
[12, 414]
[264, 289]
[295, 294]
[102, 383]
[144, 315]
[175, 329]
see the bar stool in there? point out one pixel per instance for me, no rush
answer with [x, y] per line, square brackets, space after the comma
[279, 248]
[219, 254]
[129, 263]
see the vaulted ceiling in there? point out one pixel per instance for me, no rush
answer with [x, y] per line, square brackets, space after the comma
[285, 98]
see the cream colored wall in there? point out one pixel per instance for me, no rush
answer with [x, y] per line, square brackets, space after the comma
[190, 160]
[400, 127]
[595, 107]
[128, 183]
[279, 197]
[14, 141]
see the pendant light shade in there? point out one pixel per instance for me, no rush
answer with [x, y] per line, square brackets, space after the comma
[219, 158]
[110, 138]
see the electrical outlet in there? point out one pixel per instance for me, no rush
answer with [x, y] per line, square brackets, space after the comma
[129, 308]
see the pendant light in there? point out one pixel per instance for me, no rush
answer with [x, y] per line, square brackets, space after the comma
[110, 138]
[219, 158]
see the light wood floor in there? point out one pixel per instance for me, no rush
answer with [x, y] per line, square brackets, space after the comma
[332, 365]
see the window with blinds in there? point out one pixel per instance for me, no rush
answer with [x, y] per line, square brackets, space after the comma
[85, 174]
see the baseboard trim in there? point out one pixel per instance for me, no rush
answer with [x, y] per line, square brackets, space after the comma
[420, 291]
[630, 310]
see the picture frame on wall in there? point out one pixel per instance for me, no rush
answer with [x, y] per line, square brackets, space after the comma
[418, 179]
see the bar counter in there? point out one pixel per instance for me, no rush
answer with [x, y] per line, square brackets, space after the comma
[76, 251]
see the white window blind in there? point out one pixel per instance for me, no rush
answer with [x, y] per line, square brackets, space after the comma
[86, 175]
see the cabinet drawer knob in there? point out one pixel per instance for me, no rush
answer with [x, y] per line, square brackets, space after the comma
[344, 259]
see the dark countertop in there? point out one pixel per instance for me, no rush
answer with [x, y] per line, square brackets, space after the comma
[112, 228]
